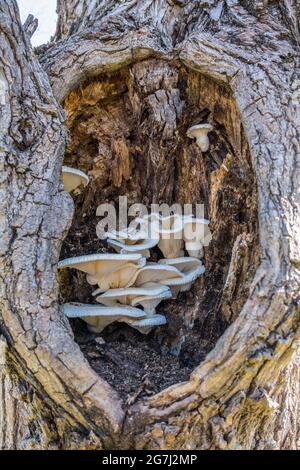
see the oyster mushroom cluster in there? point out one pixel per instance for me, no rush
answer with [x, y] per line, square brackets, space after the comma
[128, 287]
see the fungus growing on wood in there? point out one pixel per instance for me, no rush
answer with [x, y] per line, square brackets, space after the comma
[107, 270]
[200, 133]
[196, 234]
[170, 244]
[190, 268]
[99, 317]
[155, 273]
[146, 325]
[143, 246]
[130, 236]
[147, 296]
[169, 232]
[73, 179]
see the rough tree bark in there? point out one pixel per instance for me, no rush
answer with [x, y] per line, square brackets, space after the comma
[245, 394]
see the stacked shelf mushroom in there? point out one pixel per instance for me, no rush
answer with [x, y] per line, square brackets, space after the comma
[128, 287]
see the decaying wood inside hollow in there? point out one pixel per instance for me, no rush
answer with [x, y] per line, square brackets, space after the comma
[128, 132]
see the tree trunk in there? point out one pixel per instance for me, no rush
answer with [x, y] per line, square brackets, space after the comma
[132, 78]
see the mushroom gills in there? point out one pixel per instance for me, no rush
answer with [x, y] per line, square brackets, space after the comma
[107, 270]
[129, 236]
[146, 325]
[154, 272]
[150, 303]
[190, 268]
[196, 235]
[142, 248]
[73, 179]
[98, 317]
[170, 235]
[148, 296]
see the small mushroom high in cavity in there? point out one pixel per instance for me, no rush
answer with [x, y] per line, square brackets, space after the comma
[99, 317]
[73, 179]
[107, 270]
[200, 133]
[191, 269]
[148, 296]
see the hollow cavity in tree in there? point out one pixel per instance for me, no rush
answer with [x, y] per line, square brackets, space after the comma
[129, 134]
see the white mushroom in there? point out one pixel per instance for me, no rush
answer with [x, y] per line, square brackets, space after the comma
[151, 224]
[155, 273]
[200, 132]
[170, 245]
[169, 230]
[196, 234]
[143, 247]
[148, 296]
[73, 178]
[107, 270]
[149, 302]
[99, 317]
[145, 325]
[130, 236]
[191, 269]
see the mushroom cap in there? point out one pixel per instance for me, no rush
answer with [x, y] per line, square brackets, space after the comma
[154, 291]
[190, 268]
[131, 295]
[171, 247]
[194, 249]
[190, 246]
[169, 231]
[154, 272]
[128, 236]
[107, 270]
[184, 264]
[149, 303]
[99, 317]
[104, 263]
[123, 248]
[198, 130]
[79, 310]
[145, 325]
[158, 226]
[73, 178]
